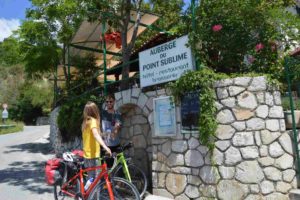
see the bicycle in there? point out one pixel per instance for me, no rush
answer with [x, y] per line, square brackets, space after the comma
[112, 188]
[123, 168]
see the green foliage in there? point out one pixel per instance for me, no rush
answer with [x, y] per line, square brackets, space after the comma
[9, 87]
[70, 116]
[201, 80]
[285, 102]
[17, 126]
[48, 24]
[244, 25]
[35, 100]
[10, 53]
[41, 52]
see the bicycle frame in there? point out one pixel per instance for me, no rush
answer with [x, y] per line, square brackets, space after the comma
[122, 160]
[85, 194]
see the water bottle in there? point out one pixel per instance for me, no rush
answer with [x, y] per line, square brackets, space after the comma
[88, 183]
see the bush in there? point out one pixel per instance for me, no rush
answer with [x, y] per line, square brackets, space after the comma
[244, 36]
[286, 103]
[70, 116]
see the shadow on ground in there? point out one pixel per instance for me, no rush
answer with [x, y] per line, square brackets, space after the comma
[29, 175]
[33, 147]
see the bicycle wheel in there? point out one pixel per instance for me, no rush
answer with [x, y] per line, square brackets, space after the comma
[74, 188]
[138, 177]
[122, 189]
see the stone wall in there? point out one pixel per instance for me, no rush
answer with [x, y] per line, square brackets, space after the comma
[56, 139]
[253, 157]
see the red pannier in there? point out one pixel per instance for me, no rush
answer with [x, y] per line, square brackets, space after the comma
[52, 171]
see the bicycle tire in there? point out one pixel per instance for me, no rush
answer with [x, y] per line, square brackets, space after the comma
[138, 177]
[122, 189]
[58, 195]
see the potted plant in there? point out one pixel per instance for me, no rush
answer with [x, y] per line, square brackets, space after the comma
[288, 114]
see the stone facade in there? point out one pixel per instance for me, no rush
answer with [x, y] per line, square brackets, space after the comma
[253, 155]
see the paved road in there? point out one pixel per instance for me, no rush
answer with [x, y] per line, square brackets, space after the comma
[22, 158]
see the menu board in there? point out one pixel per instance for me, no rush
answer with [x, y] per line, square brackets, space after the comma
[190, 112]
[164, 116]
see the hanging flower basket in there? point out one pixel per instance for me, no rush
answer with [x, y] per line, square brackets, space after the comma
[113, 37]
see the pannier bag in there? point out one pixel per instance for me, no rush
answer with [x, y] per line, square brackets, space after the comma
[53, 171]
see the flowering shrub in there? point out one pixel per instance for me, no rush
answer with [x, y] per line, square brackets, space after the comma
[244, 36]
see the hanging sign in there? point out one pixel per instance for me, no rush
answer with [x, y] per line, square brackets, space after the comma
[164, 116]
[190, 111]
[165, 62]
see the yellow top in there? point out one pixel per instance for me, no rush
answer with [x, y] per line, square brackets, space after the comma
[91, 147]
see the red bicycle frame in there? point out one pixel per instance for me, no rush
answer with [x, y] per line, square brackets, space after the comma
[85, 194]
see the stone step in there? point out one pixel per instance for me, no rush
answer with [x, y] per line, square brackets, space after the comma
[294, 194]
[154, 197]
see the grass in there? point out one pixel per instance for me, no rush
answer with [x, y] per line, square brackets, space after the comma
[17, 126]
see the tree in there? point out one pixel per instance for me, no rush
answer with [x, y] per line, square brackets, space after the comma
[48, 27]
[10, 53]
[244, 36]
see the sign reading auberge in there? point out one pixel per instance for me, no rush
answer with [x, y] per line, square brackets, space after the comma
[165, 62]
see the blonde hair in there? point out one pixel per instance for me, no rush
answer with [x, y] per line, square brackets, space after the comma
[90, 110]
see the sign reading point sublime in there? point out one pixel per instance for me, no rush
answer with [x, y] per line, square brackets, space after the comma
[166, 62]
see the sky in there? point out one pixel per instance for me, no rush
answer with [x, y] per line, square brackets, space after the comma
[11, 14]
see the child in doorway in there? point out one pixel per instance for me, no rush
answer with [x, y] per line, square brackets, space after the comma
[91, 137]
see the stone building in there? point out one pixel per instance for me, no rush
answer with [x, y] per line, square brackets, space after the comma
[253, 155]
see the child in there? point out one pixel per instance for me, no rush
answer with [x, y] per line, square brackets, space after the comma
[91, 137]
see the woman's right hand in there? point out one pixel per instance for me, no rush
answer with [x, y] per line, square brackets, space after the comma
[109, 151]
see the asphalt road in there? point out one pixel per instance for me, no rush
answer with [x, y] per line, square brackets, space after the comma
[22, 158]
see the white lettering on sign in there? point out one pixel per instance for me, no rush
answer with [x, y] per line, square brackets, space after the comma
[166, 62]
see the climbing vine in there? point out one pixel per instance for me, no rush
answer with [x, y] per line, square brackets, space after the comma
[201, 80]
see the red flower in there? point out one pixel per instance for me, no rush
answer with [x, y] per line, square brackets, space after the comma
[259, 47]
[217, 27]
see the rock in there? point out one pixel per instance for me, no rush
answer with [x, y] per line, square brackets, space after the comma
[239, 126]
[267, 187]
[286, 142]
[231, 189]
[242, 81]
[242, 114]
[224, 132]
[193, 158]
[268, 137]
[235, 90]
[273, 174]
[222, 145]
[209, 175]
[222, 93]
[249, 172]
[275, 150]
[226, 172]
[247, 100]
[225, 117]
[284, 162]
[288, 175]
[232, 156]
[250, 152]
[176, 183]
[192, 192]
[243, 139]
[179, 146]
[255, 124]
[175, 160]
[262, 111]
[258, 84]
